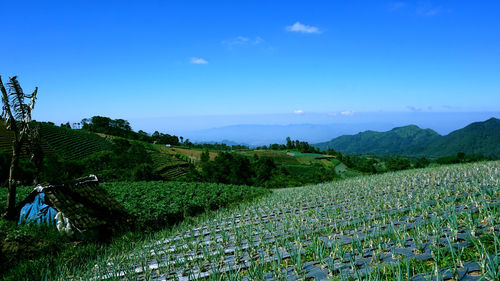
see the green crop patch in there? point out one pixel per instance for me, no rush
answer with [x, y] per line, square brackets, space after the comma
[157, 204]
[73, 144]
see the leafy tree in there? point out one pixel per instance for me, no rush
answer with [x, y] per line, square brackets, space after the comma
[17, 115]
[396, 164]
[422, 163]
[264, 169]
[205, 156]
[289, 143]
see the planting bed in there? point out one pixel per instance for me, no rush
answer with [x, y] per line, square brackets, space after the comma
[430, 224]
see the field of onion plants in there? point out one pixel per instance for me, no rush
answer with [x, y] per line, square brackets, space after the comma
[427, 224]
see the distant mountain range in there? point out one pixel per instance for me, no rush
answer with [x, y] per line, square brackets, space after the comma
[256, 135]
[476, 138]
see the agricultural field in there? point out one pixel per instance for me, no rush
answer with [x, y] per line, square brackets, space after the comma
[31, 252]
[193, 154]
[6, 137]
[72, 144]
[293, 157]
[424, 224]
[167, 163]
[279, 157]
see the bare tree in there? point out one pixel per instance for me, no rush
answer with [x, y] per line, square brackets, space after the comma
[17, 116]
[35, 151]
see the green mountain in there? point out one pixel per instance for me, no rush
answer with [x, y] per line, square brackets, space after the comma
[476, 138]
[388, 142]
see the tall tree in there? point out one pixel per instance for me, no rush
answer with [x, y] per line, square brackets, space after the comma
[17, 116]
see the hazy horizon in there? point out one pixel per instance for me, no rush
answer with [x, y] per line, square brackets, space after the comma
[312, 127]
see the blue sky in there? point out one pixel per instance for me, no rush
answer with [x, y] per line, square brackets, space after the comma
[185, 60]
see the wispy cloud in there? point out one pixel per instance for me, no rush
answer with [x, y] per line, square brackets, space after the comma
[195, 60]
[451, 107]
[298, 111]
[396, 6]
[332, 114]
[302, 28]
[347, 112]
[428, 11]
[421, 8]
[241, 40]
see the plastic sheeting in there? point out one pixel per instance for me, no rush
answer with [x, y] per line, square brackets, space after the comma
[63, 224]
[38, 212]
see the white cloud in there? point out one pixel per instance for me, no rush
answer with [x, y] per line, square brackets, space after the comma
[298, 111]
[414, 108]
[195, 60]
[332, 113]
[347, 112]
[241, 40]
[302, 28]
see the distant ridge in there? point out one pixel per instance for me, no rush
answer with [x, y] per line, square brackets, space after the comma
[476, 138]
[388, 142]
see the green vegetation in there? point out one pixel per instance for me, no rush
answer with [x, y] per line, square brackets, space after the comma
[71, 153]
[421, 223]
[122, 128]
[390, 142]
[158, 204]
[479, 138]
[237, 168]
[70, 144]
[29, 252]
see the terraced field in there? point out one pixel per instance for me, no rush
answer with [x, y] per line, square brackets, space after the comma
[429, 224]
[6, 142]
[167, 163]
[72, 144]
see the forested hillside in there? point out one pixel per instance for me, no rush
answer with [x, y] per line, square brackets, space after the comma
[477, 138]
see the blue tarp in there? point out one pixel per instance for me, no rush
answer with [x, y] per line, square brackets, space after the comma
[38, 211]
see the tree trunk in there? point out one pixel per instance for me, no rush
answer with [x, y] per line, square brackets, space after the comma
[11, 195]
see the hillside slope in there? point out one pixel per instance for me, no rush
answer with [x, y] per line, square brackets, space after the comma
[72, 144]
[6, 138]
[476, 138]
[389, 142]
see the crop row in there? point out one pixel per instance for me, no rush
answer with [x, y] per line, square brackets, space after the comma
[73, 144]
[417, 224]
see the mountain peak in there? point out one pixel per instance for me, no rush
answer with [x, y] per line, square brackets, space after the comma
[476, 138]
